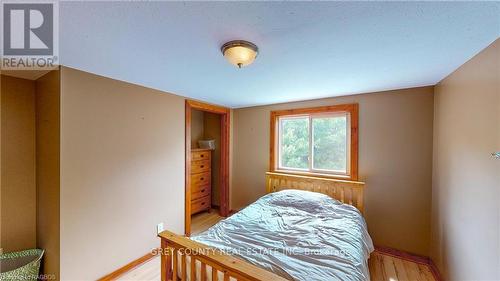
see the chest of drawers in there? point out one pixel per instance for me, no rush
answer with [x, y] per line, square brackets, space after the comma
[201, 180]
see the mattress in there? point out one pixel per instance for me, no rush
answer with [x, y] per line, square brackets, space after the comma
[299, 235]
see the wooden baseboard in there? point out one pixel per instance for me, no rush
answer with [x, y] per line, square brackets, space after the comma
[128, 267]
[435, 270]
[231, 212]
[411, 257]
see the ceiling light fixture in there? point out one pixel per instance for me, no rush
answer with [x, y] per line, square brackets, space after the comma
[239, 52]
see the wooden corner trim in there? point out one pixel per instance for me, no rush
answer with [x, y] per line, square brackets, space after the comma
[187, 169]
[128, 267]
[411, 257]
[207, 107]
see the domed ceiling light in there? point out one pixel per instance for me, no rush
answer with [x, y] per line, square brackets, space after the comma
[239, 52]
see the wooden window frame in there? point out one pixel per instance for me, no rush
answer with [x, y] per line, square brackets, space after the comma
[351, 109]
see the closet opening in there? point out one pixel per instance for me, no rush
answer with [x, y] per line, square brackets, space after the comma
[207, 164]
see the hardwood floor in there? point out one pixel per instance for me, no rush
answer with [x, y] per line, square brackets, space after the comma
[383, 267]
[148, 271]
[203, 221]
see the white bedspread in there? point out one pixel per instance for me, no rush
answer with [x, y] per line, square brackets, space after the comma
[299, 235]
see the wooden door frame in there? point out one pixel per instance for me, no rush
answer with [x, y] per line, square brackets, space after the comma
[224, 163]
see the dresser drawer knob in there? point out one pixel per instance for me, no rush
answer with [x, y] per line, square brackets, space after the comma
[202, 155]
[202, 166]
[201, 178]
[203, 190]
[203, 203]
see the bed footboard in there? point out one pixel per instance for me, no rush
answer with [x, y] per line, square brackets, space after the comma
[182, 258]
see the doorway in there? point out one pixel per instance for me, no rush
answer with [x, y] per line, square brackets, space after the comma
[196, 174]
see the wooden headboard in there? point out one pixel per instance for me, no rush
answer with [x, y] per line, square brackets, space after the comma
[348, 192]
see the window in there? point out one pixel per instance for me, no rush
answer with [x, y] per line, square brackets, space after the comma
[320, 140]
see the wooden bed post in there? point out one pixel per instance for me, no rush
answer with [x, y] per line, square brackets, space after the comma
[166, 261]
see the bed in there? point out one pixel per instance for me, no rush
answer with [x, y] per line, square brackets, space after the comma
[305, 228]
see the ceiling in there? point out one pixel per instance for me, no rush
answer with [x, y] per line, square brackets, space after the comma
[308, 50]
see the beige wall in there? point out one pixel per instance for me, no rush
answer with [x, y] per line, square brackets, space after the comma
[212, 131]
[197, 127]
[395, 158]
[1, 248]
[466, 180]
[47, 169]
[122, 172]
[18, 185]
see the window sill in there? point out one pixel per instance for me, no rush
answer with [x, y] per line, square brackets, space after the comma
[318, 175]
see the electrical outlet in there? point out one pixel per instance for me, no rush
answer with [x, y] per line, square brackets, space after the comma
[159, 228]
